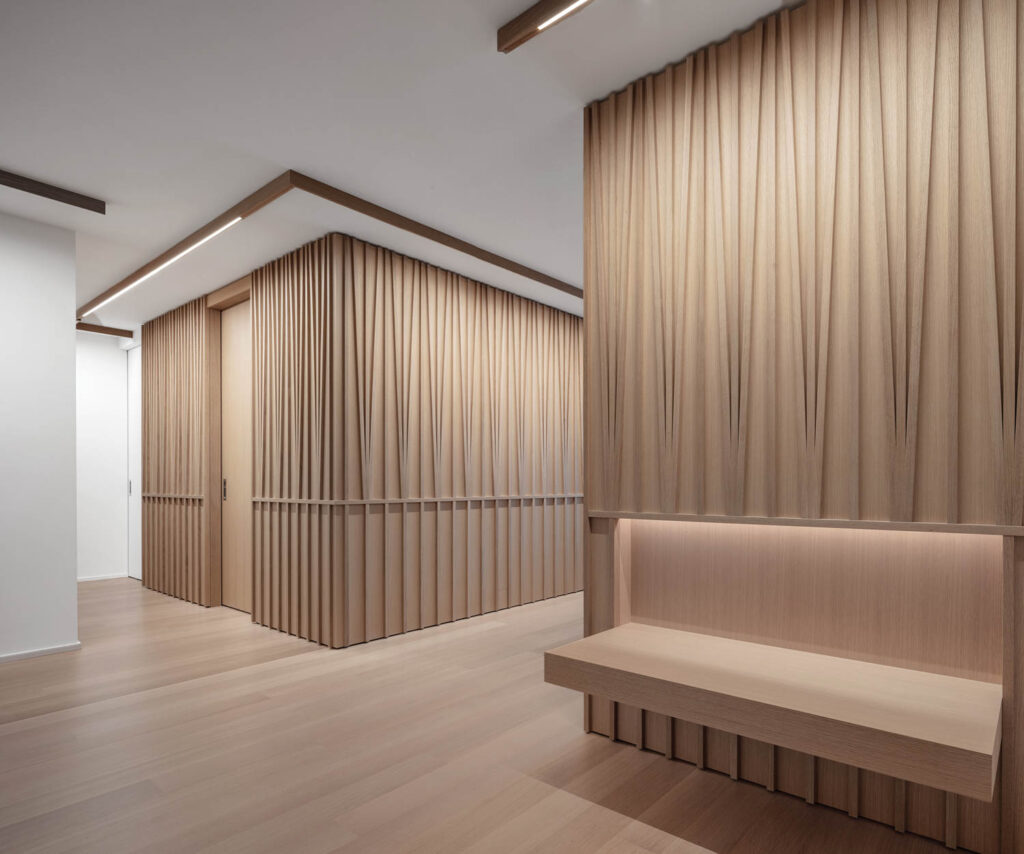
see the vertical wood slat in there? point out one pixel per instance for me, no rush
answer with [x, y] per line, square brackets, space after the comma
[900, 806]
[951, 820]
[437, 420]
[949, 813]
[1012, 770]
[181, 454]
[809, 234]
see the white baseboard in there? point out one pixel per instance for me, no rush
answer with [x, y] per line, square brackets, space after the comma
[49, 650]
[103, 577]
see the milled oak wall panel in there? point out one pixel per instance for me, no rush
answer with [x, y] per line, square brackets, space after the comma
[805, 299]
[417, 444]
[180, 449]
[805, 290]
[914, 599]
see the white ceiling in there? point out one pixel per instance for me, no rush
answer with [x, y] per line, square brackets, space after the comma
[173, 110]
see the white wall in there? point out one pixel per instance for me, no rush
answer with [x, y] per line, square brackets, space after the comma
[102, 441]
[38, 589]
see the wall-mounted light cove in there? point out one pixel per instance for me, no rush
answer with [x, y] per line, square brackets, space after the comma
[163, 266]
[566, 11]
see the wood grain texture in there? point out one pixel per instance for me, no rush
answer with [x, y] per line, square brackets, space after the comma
[941, 731]
[907, 599]
[230, 295]
[177, 728]
[920, 599]
[1013, 704]
[802, 271]
[180, 516]
[50, 191]
[417, 445]
[104, 330]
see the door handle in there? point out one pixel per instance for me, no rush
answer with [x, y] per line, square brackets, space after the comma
[224, 494]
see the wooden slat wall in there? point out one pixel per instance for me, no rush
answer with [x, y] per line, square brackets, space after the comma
[805, 298]
[297, 571]
[417, 445]
[179, 534]
[804, 288]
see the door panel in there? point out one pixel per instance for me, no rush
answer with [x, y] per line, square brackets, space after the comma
[135, 462]
[236, 455]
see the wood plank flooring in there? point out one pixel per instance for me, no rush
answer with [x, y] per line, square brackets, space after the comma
[181, 729]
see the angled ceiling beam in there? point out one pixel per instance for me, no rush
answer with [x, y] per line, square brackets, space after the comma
[50, 191]
[104, 330]
[248, 206]
[535, 20]
[292, 180]
[347, 200]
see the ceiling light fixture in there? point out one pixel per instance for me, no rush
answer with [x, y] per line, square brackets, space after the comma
[535, 20]
[566, 11]
[163, 266]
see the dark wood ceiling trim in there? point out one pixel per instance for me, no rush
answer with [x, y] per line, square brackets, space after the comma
[49, 191]
[230, 295]
[296, 180]
[248, 206]
[523, 27]
[340, 197]
[104, 330]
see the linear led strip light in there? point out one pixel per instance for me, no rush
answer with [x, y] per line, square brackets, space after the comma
[163, 266]
[535, 20]
[292, 180]
[568, 10]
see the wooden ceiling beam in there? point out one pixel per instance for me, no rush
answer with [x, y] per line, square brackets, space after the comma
[51, 191]
[104, 330]
[249, 205]
[290, 180]
[524, 27]
[347, 200]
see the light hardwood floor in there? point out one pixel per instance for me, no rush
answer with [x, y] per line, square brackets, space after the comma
[180, 729]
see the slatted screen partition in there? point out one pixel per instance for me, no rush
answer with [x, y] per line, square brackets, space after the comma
[803, 270]
[417, 445]
[180, 450]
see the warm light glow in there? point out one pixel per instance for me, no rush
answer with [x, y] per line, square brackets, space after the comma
[555, 18]
[163, 266]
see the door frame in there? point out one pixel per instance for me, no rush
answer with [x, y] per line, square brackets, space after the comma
[217, 301]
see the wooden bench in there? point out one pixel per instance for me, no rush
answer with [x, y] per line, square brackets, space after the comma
[940, 731]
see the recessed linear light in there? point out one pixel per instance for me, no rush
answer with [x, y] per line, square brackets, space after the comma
[164, 266]
[566, 11]
[535, 20]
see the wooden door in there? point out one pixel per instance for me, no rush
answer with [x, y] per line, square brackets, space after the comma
[236, 456]
[135, 463]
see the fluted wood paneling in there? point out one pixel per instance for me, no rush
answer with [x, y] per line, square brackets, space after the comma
[804, 292]
[805, 298]
[417, 445]
[298, 580]
[180, 448]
